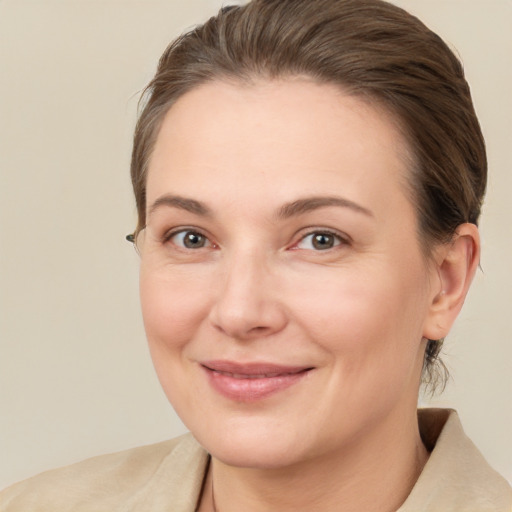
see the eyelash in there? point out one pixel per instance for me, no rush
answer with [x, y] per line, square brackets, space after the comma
[340, 240]
[171, 234]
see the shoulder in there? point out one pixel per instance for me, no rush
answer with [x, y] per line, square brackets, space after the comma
[148, 477]
[456, 477]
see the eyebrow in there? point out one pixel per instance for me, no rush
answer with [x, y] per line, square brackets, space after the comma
[183, 203]
[308, 204]
[292, 209]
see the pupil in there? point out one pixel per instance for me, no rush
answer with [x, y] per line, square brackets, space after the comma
[193, 240]
[323, 241]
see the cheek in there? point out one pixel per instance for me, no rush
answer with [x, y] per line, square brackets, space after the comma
[370, 325]
[172, 307]
[173, 310]
[365, 313]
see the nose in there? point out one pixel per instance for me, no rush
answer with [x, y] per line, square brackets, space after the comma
[246, 305]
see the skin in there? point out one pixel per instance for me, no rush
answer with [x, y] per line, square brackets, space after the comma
[259, 290]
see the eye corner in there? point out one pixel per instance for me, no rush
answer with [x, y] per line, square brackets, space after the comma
[189, 239]
[321, 240]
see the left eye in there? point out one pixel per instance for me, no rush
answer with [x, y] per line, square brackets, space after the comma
[190, 240]
[319, 241]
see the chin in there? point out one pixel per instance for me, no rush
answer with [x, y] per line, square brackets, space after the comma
[257, 447]
[256, 456]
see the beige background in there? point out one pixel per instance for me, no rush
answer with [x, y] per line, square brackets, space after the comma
[75, 376]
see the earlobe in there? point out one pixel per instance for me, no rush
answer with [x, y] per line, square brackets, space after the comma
[456, 264]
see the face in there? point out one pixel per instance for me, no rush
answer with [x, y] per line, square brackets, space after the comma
[283, 288]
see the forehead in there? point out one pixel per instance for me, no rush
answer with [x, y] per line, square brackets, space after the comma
[227, 140]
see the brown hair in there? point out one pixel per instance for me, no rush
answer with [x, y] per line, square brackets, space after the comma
[369, 48]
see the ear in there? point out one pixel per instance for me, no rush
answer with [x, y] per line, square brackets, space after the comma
[455, 266]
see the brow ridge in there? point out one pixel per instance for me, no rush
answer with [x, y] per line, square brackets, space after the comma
[307, 204]
[183, 203]
[291, 209]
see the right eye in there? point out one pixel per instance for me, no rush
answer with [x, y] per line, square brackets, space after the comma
[189, 239]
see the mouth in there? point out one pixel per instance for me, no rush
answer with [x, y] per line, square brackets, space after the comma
[250, 382]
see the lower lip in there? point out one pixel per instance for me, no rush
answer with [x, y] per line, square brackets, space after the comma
[252, 390]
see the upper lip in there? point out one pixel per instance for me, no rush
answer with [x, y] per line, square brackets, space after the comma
[253, 369]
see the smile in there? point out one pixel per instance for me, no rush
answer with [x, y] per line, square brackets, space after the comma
[257, 376]
[251, 382]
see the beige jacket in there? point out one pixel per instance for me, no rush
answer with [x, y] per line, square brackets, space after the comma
[168, 476]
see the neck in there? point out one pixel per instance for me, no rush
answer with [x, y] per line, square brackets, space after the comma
[375, 474]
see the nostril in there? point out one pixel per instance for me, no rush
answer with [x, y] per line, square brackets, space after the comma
[243, 310]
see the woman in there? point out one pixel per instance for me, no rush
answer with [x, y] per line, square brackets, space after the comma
[308, 177]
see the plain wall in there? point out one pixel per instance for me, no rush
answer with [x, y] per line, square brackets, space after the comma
[76, 379]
